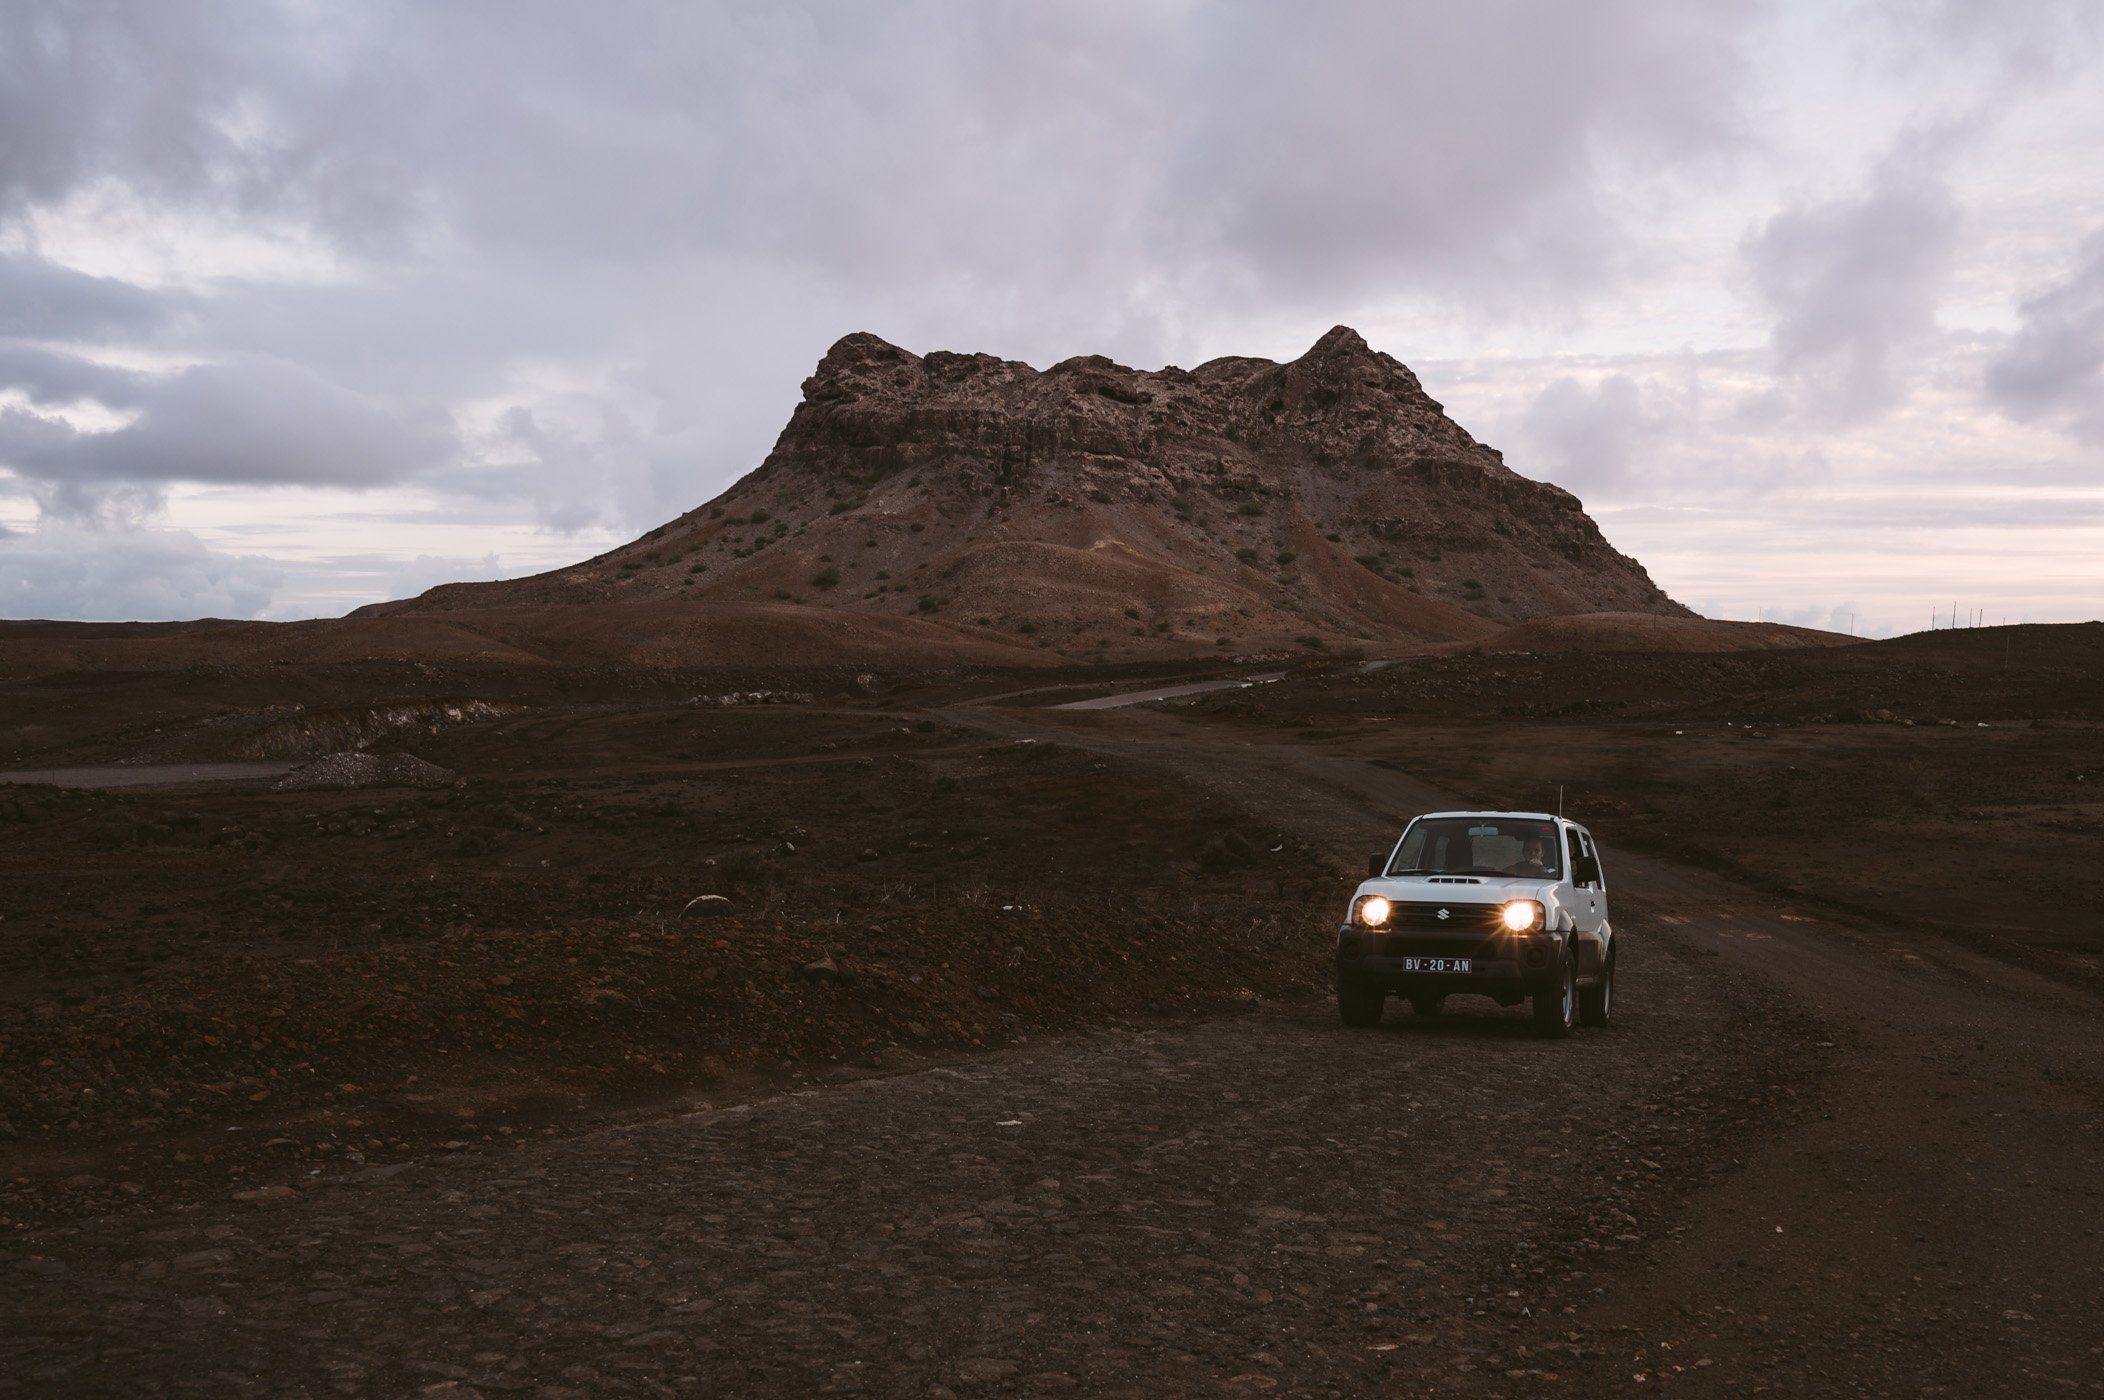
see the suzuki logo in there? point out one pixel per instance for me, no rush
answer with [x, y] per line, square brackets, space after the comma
[1442, 914]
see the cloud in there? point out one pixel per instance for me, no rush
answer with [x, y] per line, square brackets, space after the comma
[1461, 147]
[40, 298]
[52, 377]
[59, 571]
[2053, 368]
[1592, 439]
[254, 421]
[1853, 282]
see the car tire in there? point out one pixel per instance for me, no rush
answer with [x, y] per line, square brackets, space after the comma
[1556, 1008]
[1596, 1004]
[1428, 1003]
[1359, 1003]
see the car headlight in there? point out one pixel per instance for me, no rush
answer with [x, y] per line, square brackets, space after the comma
[1374, 910]
[1521, 916]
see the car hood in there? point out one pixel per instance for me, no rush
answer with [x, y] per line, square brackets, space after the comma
[1486, 889]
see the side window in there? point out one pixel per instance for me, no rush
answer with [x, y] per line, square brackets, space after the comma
[1577, 853]
[1597, 877]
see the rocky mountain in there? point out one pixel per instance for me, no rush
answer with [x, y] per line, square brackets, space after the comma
[1094, 510]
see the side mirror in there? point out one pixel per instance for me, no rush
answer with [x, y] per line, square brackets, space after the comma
[1377, 865]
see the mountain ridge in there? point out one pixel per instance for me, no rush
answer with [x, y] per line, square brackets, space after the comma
[1098, 510]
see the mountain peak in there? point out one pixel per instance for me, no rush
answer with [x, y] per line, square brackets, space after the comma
[1339, 341]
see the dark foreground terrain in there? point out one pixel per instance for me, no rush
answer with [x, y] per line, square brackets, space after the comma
[1002, 1066]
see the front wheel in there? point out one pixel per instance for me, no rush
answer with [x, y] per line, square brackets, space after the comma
[1359, 1003]
[1596, 1004]
[1556, 1009]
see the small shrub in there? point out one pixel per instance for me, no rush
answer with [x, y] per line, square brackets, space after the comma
[1132, 612]
[1247, 556]
[828, 577]
[759, 517]
[1287, 556]
[915, 528]
[1223, 641]
[1334, 538]
[715, 512]
[928, 603]
[1313, 643]
[1028, 629]
[1249, 508]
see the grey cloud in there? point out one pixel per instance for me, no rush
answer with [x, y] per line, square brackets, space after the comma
[53, 377]
[2020, 41]
[1300, 151]
[1591, 439]
[39, 298]
[1853, 283]
[97, 575]
[254, 421]
[1448, 142]
[2054, 366]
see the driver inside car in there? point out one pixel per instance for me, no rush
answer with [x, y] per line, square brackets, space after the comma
[1530, 864]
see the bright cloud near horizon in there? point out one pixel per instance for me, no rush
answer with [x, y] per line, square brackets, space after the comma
[306, 305]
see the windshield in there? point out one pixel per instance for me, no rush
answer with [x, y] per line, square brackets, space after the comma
[1525, 847]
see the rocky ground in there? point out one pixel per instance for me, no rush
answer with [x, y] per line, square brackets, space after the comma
[997, 1063]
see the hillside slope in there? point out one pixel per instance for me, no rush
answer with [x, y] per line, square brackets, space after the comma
[1100, 510]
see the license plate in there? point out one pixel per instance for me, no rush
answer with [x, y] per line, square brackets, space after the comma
[1437, 964]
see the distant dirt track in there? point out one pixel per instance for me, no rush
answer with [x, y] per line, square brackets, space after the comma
[1805, 1161]
[116, 775]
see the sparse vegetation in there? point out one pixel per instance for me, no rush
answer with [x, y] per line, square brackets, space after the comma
[1249, 508]
[1312, 642]
[1287, 556]
[828, 577]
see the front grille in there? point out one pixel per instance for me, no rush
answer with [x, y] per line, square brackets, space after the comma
[1403, 945]
[1458, 916]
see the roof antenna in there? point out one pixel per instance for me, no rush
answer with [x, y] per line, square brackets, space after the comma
[1559, 802]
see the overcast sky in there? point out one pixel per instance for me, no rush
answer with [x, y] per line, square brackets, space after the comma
[307, 305]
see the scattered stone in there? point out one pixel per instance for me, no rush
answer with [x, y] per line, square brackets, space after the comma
[363, 770]
[264, 1195]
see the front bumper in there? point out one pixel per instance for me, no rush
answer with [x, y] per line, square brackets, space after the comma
[1503, 965]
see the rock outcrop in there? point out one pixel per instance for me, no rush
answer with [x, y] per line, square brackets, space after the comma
[1099, 510]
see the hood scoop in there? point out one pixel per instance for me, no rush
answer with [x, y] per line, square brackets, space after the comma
[1452, 880]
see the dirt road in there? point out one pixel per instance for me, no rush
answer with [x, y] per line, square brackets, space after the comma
[1804, 1161]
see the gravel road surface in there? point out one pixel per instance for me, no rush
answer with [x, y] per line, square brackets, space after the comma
[1806, 1160]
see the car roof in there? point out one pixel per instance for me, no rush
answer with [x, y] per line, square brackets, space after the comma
[1521, 816]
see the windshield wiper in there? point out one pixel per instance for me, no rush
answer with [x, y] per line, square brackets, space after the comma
[1427, 870]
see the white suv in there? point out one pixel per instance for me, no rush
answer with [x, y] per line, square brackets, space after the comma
[1512, 905]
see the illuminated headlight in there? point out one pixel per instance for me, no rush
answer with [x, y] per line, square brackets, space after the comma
[1522, 915]
[1374, 911]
